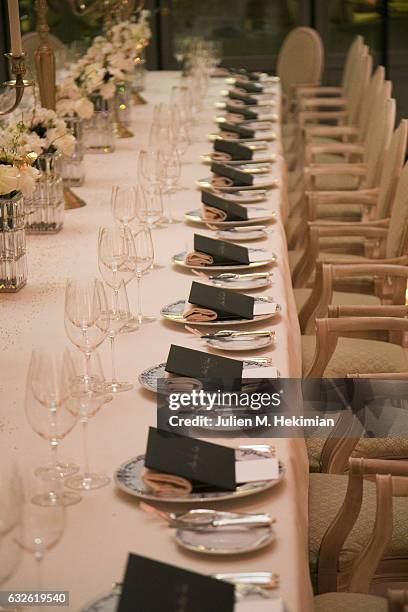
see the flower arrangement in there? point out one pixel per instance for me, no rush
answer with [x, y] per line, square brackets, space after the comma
[42, 131]
[16, 171]
[132, 37]
[71, 102]
[102, 68]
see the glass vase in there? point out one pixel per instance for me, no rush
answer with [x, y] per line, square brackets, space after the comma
[73, 173]
[122, 103]
[139, 75]
[45, 208]
[13, 259]
[98, 130]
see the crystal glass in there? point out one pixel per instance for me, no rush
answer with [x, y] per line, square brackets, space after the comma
[119, 315]
[88, 395]
[85, 314]
[124, 203]
[48, 392]
[116, 264]
[148, 170]
[73, 172]
[150, 204]
[41, 527]
[171, 171]
[98, 130]
[143, 261]
[13, 259]
[47, 203]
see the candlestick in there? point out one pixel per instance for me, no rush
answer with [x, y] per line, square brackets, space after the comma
[15, 32]
[45, 59]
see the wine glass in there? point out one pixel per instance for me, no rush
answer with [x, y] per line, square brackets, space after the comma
[124, 203]
[171, 171]
[48, 391]
[150, 206]
[119, 316]
[41, 527]
[87, 399]
[85, 317]
[143, 260]
[148, 170]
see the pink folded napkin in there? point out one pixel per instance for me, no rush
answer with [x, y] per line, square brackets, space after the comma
[221, 181]
[235, 117]
[229, 135]
[200, 315]
[196, 258]
[220, 157]
[182, 383]
[166, 484]
[213, 214]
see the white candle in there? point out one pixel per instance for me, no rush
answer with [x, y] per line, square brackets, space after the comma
[15, 32]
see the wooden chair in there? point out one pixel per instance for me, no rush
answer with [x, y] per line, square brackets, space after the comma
[389, 236]
[300, 62]
[398, 600]
[349, 602]
[356, 339]
[357, 527]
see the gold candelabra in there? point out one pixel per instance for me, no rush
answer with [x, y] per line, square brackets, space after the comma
[45, 59]
[109, 10]
[19, 83]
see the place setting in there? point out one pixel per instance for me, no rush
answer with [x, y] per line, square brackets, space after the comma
[226, 210]
[239, 177]
[234, 591]
[215, 254]
[234, 153]
[216, 306]
[185, 368]
[242, 133]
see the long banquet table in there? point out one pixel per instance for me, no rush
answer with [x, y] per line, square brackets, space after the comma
[107, 523]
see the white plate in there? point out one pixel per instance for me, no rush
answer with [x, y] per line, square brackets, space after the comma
[254, 234]
[206, 183]
[196, 216]
[179, 260]
[269, 136]
[174, 312]
[240, 284]
[128, 478]
[259, 158]
[225, 541]
[149, 377]
[253, 196]
[241, 343]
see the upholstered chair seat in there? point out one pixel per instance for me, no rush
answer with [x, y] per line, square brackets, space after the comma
[349, 602]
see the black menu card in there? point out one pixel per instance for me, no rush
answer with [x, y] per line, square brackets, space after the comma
[153, 586]
[246, 98]
[223, 252]
[243, 132]
[235, 212]
[228, 304]
[204, 366]
[240, 178]
[198, 461]
[251, 87]
[237, 151]
[238, 110]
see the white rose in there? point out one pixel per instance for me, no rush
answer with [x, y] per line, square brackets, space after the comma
[84, 108]
[8, 179]
[26, 179]
[33, 143]
[107, 90]
[65, 107]
[65, 144]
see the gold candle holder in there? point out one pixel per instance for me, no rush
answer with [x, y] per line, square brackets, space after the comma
[45, 59]
[18, 69]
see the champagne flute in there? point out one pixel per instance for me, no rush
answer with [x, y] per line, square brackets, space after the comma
[85, 317]
[85, 404]
[171, 171]
[41, 528]
[124, 203]
[148, 170]
[48, 391]
[119, 316]
[143, 261]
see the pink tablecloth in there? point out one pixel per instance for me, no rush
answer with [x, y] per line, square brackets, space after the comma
[107, 524]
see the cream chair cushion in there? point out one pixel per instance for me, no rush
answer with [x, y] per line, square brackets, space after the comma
[326, 494]
[349, 602]
[357, 355]
[340, 298]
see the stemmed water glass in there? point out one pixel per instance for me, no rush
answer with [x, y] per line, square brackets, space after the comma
[48, 392]
[119, 316]
[150, 205]
[171, 171]
[124, 203]
[85, 403]
[148, 170]
[41, 527]
[143, 260]
[85, 316]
